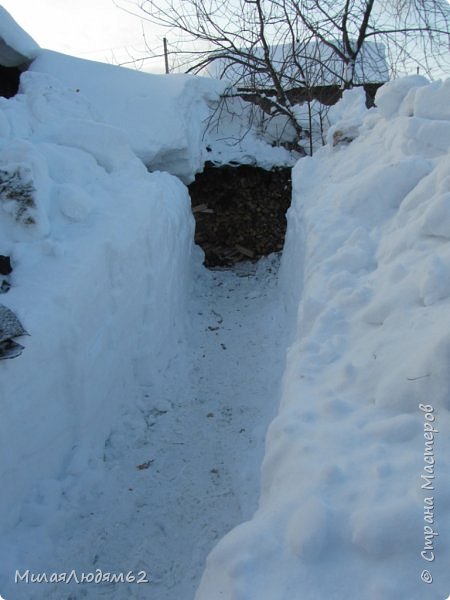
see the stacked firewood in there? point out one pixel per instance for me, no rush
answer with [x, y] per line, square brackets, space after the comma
[240, 212]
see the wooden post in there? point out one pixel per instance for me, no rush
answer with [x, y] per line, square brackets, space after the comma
[166, 55]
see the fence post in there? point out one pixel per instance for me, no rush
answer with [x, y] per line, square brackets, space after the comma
[166, 55]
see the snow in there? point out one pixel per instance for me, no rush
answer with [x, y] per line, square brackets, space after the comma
[16, 46]
[172, 125]
[173, 462]
[365, 275]
[101, 255]
[136, 418]
[239, 132]
[161, 116]
[103, 260]
[344, 118]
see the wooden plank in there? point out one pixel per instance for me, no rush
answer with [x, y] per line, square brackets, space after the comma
[244, 251]
[202, 208]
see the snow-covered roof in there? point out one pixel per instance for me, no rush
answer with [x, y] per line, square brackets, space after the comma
[317, 65]
[16, 46]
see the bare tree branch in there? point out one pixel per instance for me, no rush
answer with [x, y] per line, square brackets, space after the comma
[272, 47]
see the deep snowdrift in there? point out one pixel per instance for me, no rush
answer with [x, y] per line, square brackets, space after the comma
[174, 122]
[16, 46]
[101, 252]
[163, 117]
[101, 256]
[354, 500]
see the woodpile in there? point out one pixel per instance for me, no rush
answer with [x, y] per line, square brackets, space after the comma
[240, 212]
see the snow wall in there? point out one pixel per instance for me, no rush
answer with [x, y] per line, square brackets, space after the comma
[163, 117]
[101, 251]
[355, 497]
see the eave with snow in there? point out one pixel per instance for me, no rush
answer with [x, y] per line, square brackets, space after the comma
[322, 78]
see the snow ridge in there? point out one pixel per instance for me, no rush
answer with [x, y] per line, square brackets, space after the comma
[101, 252]
[343, 512]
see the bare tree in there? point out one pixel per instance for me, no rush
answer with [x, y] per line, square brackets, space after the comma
[255, 44]
[414, 33]
[269, 48]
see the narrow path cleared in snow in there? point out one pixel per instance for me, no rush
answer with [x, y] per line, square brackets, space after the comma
[184, 470]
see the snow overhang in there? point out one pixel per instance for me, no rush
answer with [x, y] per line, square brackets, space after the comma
[17, 48]
[10, 57]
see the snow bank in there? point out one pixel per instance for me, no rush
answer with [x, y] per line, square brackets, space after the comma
[239, 132]
[354, 500]
[163, 116]
[16, 46]
[172, 122]
[101, 255]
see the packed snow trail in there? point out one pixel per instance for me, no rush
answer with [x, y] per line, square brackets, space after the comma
[185, 470]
